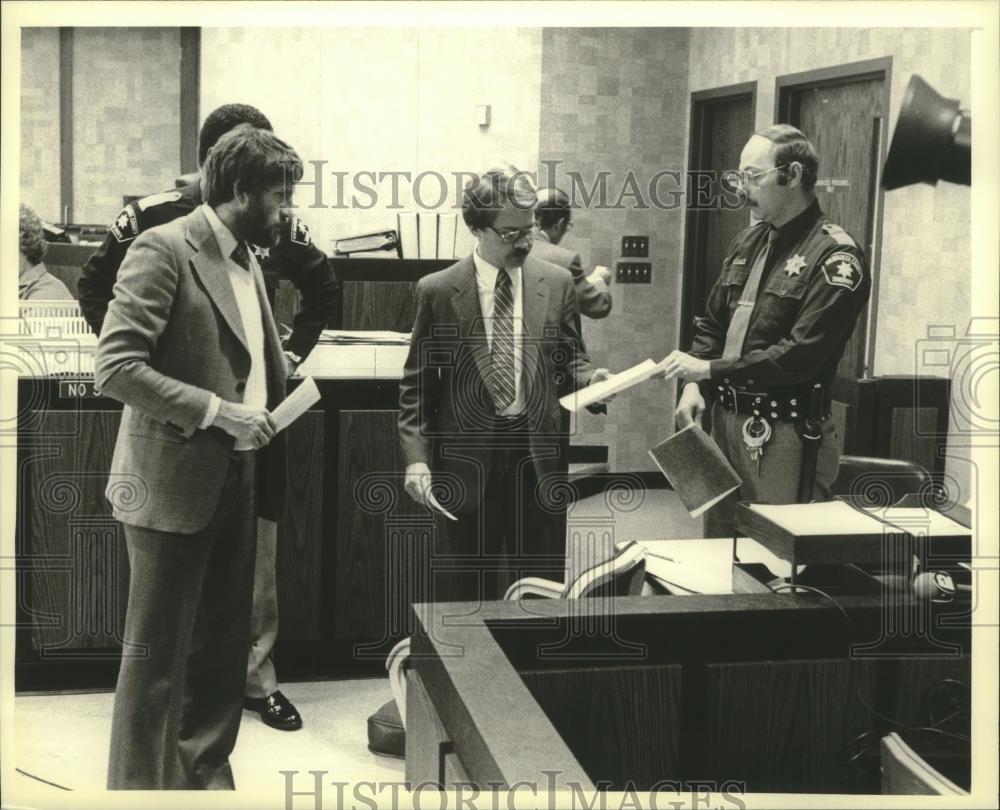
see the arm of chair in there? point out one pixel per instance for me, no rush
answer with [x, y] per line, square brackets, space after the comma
[905, 772]
[534, 586]
[396, 663]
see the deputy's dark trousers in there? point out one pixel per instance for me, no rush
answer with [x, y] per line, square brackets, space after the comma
[261, 677]
[180, 688]
[513, 533]
[780, 467]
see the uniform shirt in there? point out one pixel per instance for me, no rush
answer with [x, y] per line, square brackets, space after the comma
[486, 282]
[815, 284]
[295, 258]
[38, 284]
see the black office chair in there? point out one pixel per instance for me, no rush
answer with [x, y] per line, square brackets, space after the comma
[881, 481]
[622, 575]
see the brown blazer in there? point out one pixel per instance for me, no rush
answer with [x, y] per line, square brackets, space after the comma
[445, 403]
[172, 337]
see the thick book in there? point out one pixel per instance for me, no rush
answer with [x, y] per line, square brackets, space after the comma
[406, 222]
[427, 234]
[696, 468]
[447, 229]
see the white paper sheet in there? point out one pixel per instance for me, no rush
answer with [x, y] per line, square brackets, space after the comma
[838, 517]
[296, 403]
[615, 384]
[917, 520]
[829, 517]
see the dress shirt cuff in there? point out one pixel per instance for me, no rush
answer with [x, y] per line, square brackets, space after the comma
[211, 412]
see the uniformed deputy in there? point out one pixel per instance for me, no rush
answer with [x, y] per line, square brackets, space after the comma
[776, 324]
[295, 258]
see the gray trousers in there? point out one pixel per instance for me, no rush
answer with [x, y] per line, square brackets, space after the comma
[261, 678]
[179, 697]
[780, 467]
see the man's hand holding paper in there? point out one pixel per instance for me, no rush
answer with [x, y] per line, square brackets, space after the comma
[418, 486]
[684, 366]
[604, 385]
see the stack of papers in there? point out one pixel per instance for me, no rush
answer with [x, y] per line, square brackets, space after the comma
[372, 338]
[840, 518]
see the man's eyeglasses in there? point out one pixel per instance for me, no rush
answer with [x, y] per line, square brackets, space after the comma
[736, 178]
[514, 235]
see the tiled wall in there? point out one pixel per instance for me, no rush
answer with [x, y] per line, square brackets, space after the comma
[616, 100]
[925, 268]
[126, 116]
[40, 121]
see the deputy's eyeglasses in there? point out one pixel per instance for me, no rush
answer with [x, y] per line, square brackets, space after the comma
[514, 235]
[735, 178]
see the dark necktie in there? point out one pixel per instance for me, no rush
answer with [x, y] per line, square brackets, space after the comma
[502, 352]
[241, 256]
[740, 320]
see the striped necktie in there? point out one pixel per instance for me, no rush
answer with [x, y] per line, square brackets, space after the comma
[740, 320]
[502, 350]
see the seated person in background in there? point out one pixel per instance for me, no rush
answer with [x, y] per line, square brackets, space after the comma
[552, 217]
[34, 282]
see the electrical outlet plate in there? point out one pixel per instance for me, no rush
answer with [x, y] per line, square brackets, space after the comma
[634, 273]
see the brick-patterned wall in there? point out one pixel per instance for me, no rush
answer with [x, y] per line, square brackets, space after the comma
[617, 100]
[40, 121]
[925, 269]
[126, 116]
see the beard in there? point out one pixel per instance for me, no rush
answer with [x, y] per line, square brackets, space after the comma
[256, 227]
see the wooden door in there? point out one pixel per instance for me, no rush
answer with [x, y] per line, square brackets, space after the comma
[842, 111]
[721, 122]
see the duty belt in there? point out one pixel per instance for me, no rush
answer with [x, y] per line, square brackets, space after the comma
[786, 407]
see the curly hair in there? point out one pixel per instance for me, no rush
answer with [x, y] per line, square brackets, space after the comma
[251, 158]
[223, 119]
[31, 235]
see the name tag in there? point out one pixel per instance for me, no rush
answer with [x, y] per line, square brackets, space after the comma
[78, 389]
[738, 262]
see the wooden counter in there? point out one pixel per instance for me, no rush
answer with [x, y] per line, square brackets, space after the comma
[758, 692]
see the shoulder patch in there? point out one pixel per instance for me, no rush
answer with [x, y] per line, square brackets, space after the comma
[297, 231]
[125, 228]
[159, 199]
[842, 269]
[839, 235]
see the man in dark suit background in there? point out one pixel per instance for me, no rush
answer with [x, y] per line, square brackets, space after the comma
[553, 216]
[495, 343]
[191, 349]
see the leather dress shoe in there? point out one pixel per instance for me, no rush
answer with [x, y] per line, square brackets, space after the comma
[276, 711]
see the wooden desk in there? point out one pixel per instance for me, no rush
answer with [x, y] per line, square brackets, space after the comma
[349, 550]
[756, 692]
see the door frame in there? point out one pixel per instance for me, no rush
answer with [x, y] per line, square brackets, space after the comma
[694, 226]
[785, 88]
